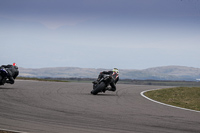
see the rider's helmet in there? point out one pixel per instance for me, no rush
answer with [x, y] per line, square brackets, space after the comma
[15, 65]
[115, 70]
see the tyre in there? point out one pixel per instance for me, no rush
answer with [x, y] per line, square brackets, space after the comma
[98, 89]
[1, 83]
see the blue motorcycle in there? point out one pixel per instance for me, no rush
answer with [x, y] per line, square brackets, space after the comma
[3, 76]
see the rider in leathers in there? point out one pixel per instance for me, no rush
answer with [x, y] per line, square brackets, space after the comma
[115, 77]
[12, 71]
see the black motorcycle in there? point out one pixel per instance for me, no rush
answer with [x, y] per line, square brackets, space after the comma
[100, 86]
[3, 76]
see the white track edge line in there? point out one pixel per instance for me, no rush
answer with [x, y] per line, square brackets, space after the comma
[15, 131]
[142, 94]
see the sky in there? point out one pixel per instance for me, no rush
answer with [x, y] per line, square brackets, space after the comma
[127, 34]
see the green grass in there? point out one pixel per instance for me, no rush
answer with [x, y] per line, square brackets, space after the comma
[1, 131]
[186, 97]
[161, 82]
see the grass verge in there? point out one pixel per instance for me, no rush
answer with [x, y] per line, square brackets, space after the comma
[1, 131]
[185, 97]
[41, 79]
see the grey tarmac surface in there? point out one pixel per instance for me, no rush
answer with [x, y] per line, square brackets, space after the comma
[55, 107]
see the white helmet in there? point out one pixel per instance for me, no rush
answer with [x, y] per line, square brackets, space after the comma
[116, 70]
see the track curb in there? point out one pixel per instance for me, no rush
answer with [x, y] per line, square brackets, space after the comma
[11, 131]
[142, 94]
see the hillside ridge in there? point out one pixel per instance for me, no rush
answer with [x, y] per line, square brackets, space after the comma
[154, 73]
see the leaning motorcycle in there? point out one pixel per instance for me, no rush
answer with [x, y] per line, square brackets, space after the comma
[101, 85]
[3, 76]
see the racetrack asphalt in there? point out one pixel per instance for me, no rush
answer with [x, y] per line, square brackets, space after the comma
[68, 107]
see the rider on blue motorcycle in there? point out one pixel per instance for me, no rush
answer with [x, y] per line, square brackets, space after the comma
[12, 72]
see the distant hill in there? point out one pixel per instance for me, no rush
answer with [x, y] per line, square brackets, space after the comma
[156, 73]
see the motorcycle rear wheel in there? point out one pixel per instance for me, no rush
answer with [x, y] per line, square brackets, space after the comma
[1, 80]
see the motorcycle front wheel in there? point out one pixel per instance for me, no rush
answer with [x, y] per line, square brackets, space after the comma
[1, 80]
[98, 88]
